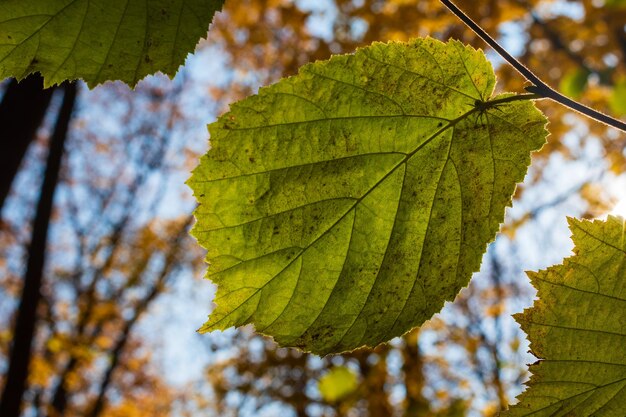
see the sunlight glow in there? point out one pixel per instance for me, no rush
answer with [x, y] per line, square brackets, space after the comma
[620, 208]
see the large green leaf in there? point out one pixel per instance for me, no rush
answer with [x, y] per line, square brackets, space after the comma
[578, 328]
[342, 206]
[99, 40]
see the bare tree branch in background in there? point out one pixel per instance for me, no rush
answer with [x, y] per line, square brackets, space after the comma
[170, 264]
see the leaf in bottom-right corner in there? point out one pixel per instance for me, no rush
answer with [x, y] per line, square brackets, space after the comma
[577, 328]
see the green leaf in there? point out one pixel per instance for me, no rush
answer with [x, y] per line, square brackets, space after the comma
[337, 384]
[617, 100]
[617, 4]
[574, 82]
[577, 328]
[99, 40]
[342, 207]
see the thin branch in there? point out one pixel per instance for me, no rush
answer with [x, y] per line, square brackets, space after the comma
[538, 87]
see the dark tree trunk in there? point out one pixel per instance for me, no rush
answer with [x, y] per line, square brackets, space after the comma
[416, 405]
[22, 109]
[24, 330]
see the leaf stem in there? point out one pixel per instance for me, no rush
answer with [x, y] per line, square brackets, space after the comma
[539, 87]
[517, 97]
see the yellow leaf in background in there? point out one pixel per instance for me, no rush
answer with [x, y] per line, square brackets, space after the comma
[337, 384]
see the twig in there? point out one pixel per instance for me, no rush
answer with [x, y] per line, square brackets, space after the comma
[538, 87]
[517, 97]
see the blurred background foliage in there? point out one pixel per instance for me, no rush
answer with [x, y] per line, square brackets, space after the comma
[121, 291]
